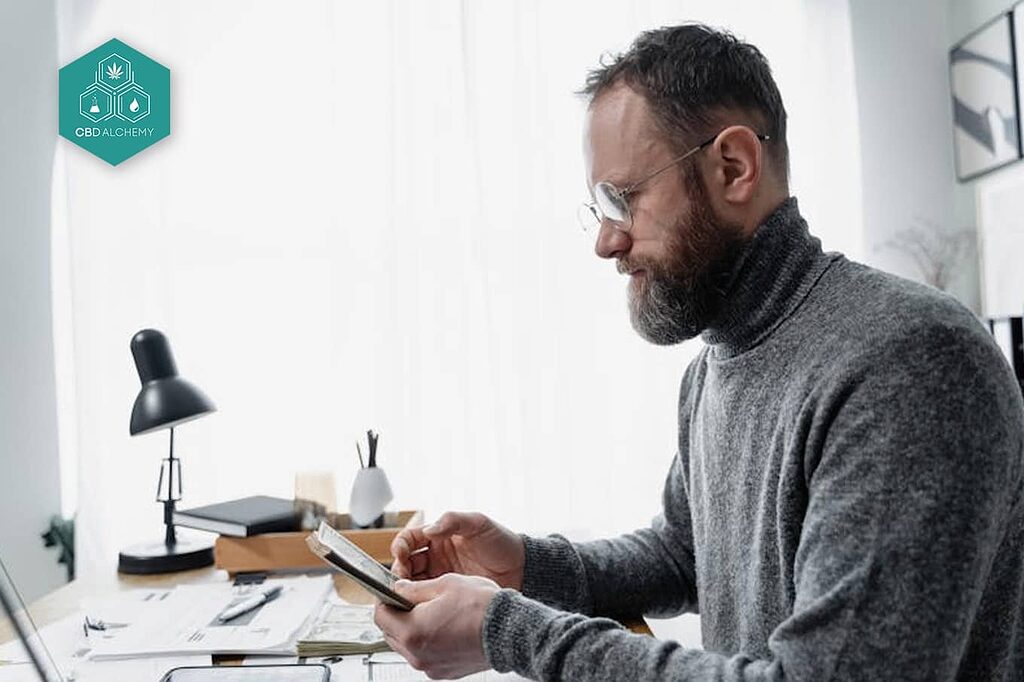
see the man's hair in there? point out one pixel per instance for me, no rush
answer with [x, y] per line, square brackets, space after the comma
[694, 78]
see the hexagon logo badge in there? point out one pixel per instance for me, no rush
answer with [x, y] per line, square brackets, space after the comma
[114, 102]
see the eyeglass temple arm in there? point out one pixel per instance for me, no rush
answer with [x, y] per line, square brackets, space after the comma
[705, 143]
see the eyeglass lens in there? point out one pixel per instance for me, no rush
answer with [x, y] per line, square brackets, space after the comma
[611, 203]
[588, 218]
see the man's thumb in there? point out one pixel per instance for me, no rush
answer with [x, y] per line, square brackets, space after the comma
[418, 591]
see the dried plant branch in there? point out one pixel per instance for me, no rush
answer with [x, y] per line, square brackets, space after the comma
[936, 253]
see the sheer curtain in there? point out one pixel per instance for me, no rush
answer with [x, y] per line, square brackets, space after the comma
[365, 217]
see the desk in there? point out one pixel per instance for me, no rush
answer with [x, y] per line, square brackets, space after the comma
[64, 601]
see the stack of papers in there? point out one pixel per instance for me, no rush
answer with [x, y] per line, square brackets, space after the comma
[184, 620]
[71, 650]
[341, 629]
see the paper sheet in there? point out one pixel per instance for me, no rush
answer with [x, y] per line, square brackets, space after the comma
[141, 669]
[184, 620]
[70, 648]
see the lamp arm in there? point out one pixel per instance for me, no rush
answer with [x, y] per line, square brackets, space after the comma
[170, 538]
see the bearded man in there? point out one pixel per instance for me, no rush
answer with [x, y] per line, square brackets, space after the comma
[846, 501]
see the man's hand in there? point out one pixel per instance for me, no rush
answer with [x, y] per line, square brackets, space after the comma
[443, 634]
[458, 542]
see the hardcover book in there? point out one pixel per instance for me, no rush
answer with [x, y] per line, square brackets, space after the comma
[242, 518]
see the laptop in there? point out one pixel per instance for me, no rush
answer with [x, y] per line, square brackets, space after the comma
[12, 605]
[25, 629]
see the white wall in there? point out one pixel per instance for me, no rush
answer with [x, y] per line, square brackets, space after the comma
[901, 63]
[29, 476]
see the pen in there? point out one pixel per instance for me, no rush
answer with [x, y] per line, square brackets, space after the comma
[258, 599]
[371, 438]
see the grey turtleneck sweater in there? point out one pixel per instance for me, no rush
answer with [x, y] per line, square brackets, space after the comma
[845, 504]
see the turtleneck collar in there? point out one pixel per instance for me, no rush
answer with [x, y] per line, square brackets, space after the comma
[772, 277]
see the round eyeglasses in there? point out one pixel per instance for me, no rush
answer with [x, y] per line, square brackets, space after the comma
[612, 204]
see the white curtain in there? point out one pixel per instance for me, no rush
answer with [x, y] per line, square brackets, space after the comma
[364, 217]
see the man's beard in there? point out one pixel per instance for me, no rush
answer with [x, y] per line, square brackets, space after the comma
[676, 299]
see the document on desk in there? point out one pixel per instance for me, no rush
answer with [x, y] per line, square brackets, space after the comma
[185, 621]
[70, 648]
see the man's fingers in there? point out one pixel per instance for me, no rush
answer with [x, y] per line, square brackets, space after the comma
[419, 563]
[407, 542]
[397, 646]
[393, 625]
[457, 523]
[388, 619]
[415, 565]
[401, 569]
[400, 548]
[421, 590]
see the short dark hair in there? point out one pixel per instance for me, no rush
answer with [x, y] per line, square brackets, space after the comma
[688, 74]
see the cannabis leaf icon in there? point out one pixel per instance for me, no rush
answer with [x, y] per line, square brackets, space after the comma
[114, 72]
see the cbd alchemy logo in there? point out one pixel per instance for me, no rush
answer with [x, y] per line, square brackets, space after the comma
[115, 102]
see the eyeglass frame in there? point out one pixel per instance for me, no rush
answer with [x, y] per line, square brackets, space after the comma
[624, 194]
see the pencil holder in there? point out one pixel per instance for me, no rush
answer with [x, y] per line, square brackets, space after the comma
[371, 493]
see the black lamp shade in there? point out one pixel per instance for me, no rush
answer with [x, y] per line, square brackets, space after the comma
[166, 399]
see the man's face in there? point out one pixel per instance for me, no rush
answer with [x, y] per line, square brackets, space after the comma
[678, 254]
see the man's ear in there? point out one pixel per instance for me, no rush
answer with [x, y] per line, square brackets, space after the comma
[738, 160]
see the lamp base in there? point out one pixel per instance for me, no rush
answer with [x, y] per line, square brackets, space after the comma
[160, 557]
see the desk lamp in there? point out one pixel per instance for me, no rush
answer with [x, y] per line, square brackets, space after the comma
[165, 401]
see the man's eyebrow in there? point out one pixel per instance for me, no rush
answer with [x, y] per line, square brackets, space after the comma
[616, 177]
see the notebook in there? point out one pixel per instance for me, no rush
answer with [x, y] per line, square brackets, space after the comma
[244, 517]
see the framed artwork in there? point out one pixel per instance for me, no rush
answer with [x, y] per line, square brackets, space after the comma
[1000, 214]
[1018, 46]
[983, 79]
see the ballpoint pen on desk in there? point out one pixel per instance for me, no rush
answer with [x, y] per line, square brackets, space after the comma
[255, 601]
[371, 437]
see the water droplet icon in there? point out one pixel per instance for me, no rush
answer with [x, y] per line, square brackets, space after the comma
[134, 106]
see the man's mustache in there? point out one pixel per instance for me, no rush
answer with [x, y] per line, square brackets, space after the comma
[626, 267]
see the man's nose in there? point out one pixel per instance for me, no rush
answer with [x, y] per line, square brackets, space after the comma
[611, 241]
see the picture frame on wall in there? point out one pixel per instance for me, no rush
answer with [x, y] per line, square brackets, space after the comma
[983, 75]
[1017, 25]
